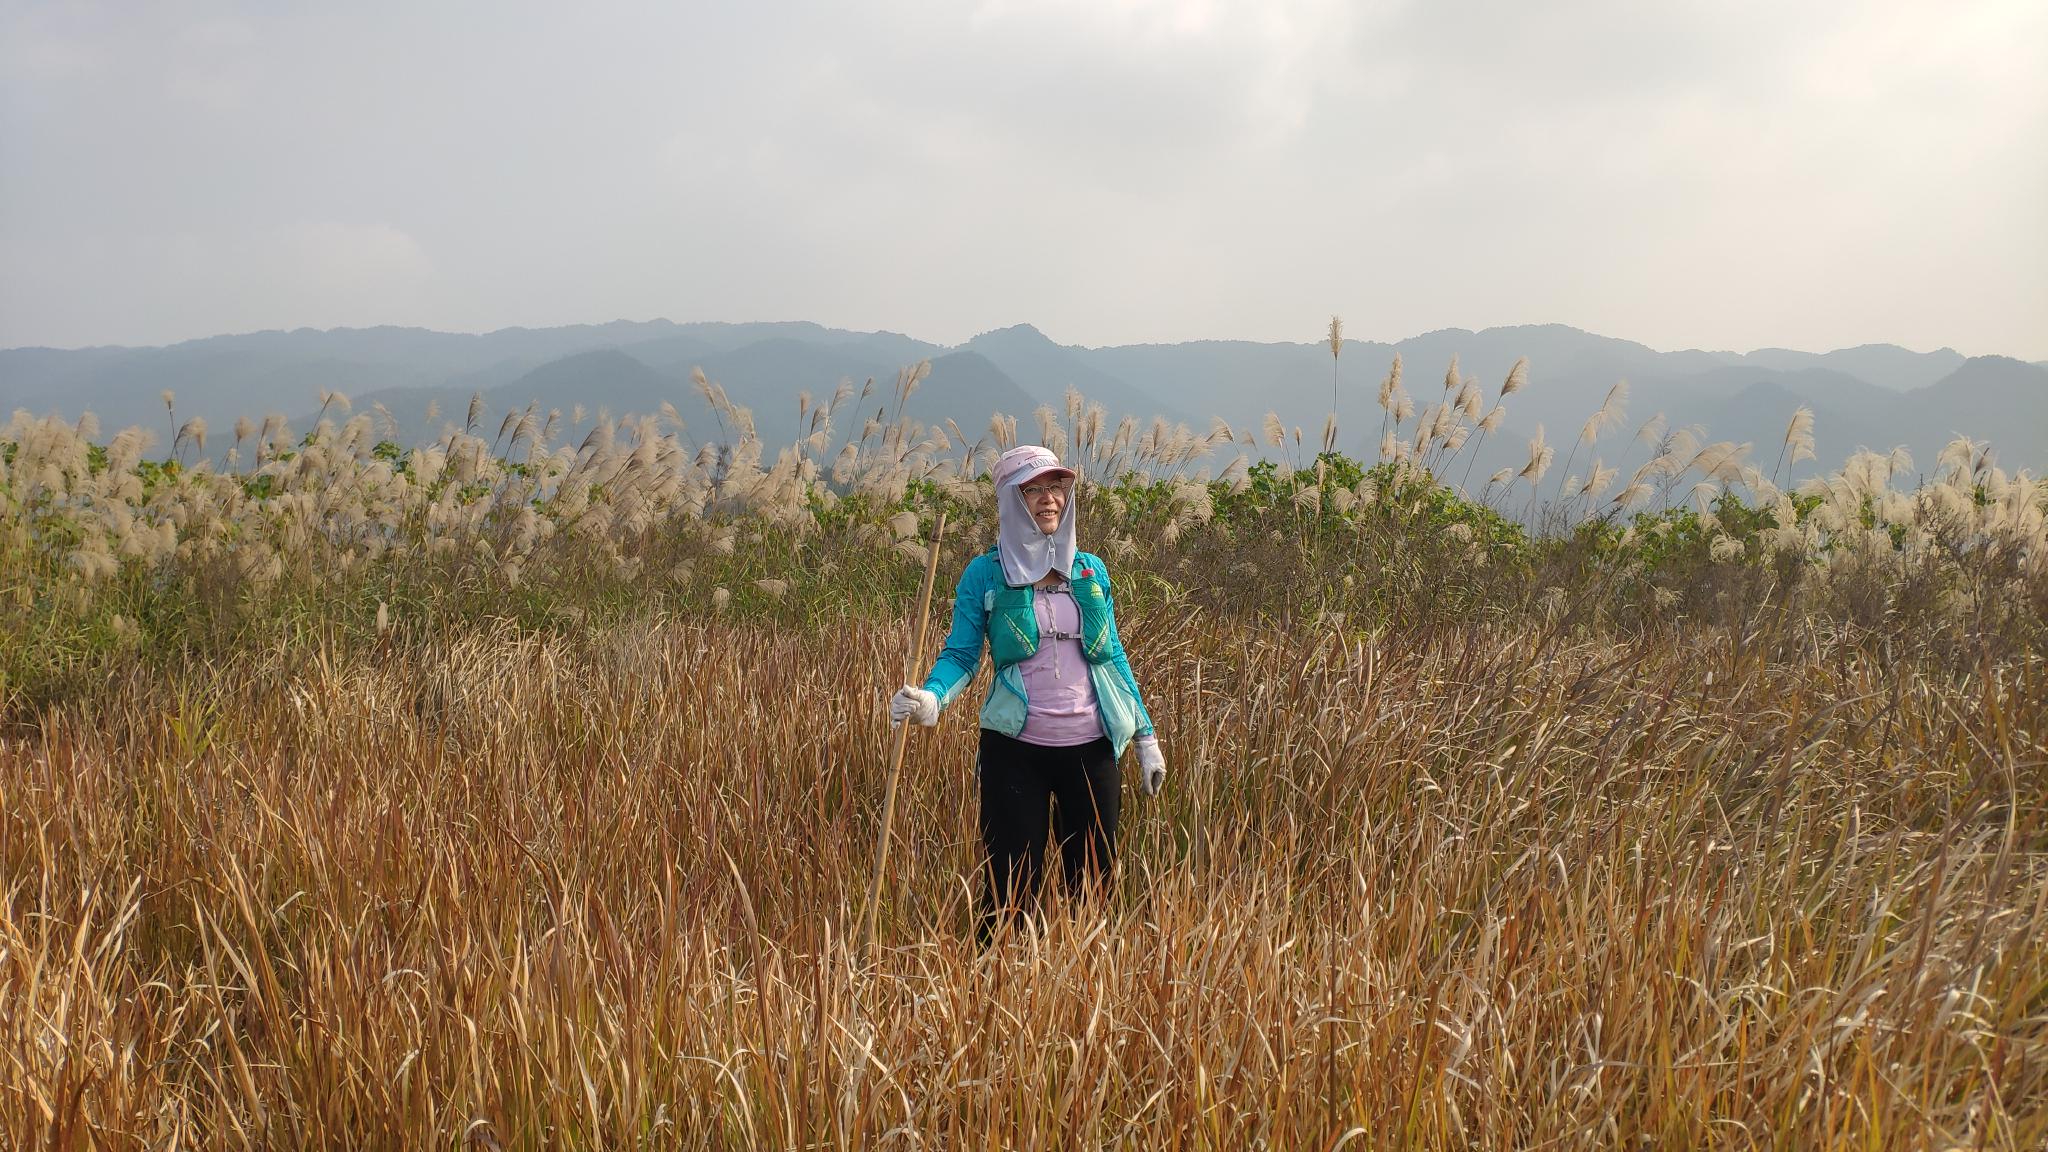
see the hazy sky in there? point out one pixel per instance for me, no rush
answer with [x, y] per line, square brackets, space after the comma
[1719, 174]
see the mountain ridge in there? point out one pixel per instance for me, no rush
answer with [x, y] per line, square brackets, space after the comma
[1862, 396]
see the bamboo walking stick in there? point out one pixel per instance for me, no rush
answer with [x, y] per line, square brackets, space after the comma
[924, 619]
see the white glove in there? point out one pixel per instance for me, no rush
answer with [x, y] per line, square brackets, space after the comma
[913, 704]
[1151, 765]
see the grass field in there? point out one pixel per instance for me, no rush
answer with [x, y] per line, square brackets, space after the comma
[503, 794]
[1469, 888]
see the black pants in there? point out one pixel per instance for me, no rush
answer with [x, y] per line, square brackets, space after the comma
[1027, 791]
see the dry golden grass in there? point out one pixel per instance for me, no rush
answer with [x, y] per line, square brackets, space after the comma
[304, 844]
[1473, 888]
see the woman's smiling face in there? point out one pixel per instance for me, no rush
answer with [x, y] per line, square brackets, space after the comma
[1046, 498]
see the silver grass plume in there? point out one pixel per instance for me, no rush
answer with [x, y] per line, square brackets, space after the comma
[1048, 425]
[193, 432]
[1468, 402]
[1518, 377]
[1652, 431]
[1336, 347]
[1633, 494]
[1609, 413]
[1540, 456]
[1598, 480]
[1798, 442]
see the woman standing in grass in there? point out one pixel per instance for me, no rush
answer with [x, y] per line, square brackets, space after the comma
[1063, 704]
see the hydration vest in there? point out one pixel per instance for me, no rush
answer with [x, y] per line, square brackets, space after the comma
[1013, 631]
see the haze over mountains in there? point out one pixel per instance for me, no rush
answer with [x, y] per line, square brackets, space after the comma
[1876, 396]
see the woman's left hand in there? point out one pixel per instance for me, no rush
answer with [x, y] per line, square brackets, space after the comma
[1151, 765]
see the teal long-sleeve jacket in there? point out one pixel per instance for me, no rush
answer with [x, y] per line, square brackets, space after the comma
[989, 613]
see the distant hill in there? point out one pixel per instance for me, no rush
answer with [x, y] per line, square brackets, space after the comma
[1046, 370]
[1990, 398]
[1885, 365]
[1239, 381]
[217, 382]
[766, 377]
[967, 388]
[1875, 396]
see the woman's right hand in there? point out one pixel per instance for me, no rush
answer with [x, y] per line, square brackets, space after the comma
[913, 704]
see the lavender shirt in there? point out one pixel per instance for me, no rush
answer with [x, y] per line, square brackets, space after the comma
[1062, 698]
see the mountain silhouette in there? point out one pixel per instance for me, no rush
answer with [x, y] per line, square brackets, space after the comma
[1046, 370]
[1875, 396]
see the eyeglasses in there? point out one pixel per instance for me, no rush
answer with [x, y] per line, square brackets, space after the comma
[1034, 491]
